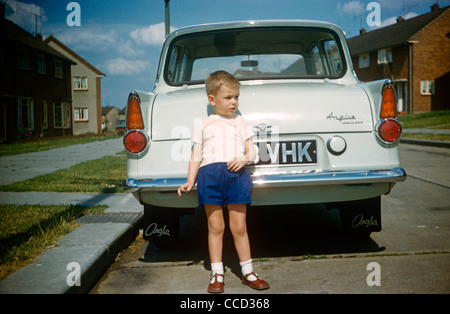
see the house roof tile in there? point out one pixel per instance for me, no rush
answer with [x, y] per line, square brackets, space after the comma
[13, 32]
[392, 35]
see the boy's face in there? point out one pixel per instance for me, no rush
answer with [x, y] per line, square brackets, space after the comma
[225, 102]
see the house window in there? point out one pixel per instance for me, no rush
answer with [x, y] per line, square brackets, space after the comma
[61, 115]
[23, 61]
[81, 114]
[26, 114]
[41, 64]
[45, 116]
[427, 87]
[80, 83]
[364, 61]
[384, 56]
[58, 69]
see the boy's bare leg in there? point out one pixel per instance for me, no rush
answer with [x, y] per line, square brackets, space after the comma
[216, 227]
[238, 227]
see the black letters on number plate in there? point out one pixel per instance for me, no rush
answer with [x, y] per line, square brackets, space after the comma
[291, 152]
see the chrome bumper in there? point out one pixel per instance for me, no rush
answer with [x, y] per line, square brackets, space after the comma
[282, 180]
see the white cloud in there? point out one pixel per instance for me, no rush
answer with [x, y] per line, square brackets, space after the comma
[352, 8]
[151, 35]
[129, 49]
[121, 66]
[24, 15]
[87, 38]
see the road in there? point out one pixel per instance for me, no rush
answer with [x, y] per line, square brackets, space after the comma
[300, 249]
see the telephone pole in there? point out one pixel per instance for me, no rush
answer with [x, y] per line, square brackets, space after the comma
[167, 17]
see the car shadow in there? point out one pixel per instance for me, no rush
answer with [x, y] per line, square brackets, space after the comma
[300, 231]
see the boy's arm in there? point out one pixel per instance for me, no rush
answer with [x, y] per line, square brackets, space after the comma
[194, 165]
[250, 155]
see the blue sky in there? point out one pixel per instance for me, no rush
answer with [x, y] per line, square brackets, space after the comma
[123, 39]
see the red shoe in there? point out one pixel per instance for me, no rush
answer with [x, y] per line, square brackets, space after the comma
[257, 284]
[216, 286]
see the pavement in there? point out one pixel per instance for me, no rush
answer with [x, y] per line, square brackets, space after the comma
[79, 259]
[88, 251]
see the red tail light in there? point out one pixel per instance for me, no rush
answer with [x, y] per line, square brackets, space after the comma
[134, 114]
[135, 141]
[388, 129]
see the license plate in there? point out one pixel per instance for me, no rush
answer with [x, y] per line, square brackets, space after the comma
[287, 152]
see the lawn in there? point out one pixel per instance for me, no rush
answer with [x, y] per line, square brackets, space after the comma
[104, 175]
[426, 120]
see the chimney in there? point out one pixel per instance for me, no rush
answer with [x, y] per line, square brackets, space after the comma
[435, 7]
[400, 19]
[362, 31]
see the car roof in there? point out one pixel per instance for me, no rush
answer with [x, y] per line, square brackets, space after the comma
[252, 24]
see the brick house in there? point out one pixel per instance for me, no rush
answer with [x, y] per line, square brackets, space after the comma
[86, 90]
[414, 53]
[35, 85]
[110, 115]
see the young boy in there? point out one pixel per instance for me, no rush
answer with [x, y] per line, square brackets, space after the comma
[222, 147]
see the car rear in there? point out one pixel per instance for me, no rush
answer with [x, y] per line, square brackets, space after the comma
[322, 135]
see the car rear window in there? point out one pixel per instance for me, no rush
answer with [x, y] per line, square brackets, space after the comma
[255, 53]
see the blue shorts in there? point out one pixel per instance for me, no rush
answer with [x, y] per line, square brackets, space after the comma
[218, 186]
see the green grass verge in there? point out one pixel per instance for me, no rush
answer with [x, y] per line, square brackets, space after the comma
[426, 120]
[18, 148]
[104, 175]
[27, 230]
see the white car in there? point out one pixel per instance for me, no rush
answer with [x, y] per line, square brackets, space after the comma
[322, 135]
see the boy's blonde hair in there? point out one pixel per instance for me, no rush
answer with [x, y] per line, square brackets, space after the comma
[219, 78]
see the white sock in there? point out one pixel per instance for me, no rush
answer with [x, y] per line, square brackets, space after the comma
[217, 268]
[247, 268]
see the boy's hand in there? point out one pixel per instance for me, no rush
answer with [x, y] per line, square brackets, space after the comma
[236, 165]
[185, 188]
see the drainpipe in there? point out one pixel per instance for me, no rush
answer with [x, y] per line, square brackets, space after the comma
[410, 75]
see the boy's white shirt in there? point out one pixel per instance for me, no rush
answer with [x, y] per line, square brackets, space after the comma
[222, 138]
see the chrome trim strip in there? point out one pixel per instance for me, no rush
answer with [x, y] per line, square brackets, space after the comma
[282, 180]
[387, 83]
